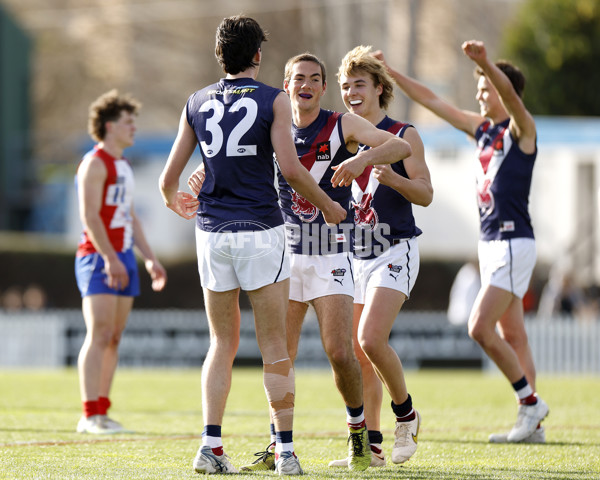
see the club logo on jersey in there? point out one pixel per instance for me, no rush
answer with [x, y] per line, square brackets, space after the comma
[485, 198]
[303, 209]
[338, 272]
[323, 152]
[365, 216]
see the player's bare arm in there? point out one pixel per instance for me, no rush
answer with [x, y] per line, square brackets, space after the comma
[182, 203]
[522, 125]
[417, 187]
[154, 268]
[461, 119]
[91, 177]
[292, 170]
[385, 148]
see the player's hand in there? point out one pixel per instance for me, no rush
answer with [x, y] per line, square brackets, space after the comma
[378, 54]
[196, 180]
[384, 174]
[184, 205]
[334, 214]
[347, 171]
[475, 50]
[117, 277]
[158, 274]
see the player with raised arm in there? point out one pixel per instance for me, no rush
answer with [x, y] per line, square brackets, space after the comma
[239, 123]
[506, 137]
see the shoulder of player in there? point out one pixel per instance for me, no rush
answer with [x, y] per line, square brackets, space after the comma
[92, 166]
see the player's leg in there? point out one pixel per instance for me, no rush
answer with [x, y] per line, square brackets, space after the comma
[99, 313]
[223, 313]
[512, 329]
[111, 359]
[491, 305]
[381, 310]
[334, 313]
[296, 313]
[373, 396]
[270, 305]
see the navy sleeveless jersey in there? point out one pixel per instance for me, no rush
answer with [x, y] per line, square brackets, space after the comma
[232, 120]
[320, 146]
[381, 214]
[503, 174]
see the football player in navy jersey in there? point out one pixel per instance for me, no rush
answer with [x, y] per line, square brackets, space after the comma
[506, 136]
[386, 255]
[239, 123]
[321, 261]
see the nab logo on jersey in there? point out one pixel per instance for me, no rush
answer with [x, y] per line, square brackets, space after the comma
[323, 152]
[364, 215]
[303, 209]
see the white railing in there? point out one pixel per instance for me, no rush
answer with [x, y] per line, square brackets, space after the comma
[180, 338]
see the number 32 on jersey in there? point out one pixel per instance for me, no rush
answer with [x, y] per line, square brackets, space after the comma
[213, 125]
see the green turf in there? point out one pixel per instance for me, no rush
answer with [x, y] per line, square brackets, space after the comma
[39, 411]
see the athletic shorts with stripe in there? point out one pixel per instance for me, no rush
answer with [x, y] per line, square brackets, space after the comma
[245, 259]
[396, 268]
[507, 264]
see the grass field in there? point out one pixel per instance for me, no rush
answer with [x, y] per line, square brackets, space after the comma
[39, 411]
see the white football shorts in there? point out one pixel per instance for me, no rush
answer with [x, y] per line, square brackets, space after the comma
[507, 264]
[314, 276]
[245, 259]
[396, 268]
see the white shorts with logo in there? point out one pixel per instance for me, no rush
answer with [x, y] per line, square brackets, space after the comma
[396, 268]
[314, 276]
[507, 264]
[245, 259]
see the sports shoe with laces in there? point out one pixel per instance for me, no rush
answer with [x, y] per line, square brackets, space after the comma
[359, 452]
[288, 464]
[94, 425]
[207, 462]
[405, 443]
[264, 462]
[528, 418]
[377, 458]
[539, 436]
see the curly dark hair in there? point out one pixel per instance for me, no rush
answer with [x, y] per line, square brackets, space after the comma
[107, 108]
[238, 39]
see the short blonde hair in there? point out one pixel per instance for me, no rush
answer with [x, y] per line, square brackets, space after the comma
[359, 59]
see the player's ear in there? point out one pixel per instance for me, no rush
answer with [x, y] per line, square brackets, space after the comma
[324, 88]
[258, 56]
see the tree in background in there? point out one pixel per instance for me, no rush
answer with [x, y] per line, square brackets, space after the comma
[557, 45]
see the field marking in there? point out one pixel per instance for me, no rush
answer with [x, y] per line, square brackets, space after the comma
[111, 439]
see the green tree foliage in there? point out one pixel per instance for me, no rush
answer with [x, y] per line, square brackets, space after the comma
[556, 43]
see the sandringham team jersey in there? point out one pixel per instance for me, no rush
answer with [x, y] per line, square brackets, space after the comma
[320, 146]
[232, 120]
[117, 199]
[503, 175]
[379, 208]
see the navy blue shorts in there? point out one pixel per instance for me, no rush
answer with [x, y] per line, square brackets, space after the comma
[91, 278]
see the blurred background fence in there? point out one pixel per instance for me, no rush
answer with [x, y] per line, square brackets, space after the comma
[178, 338]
